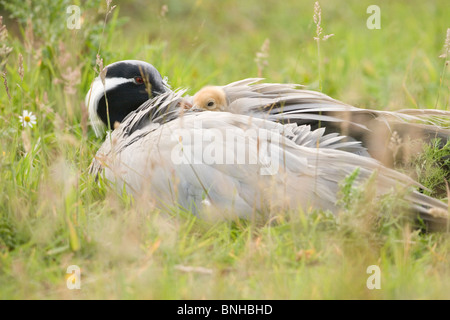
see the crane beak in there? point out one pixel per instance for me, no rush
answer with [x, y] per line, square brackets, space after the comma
[186, 105]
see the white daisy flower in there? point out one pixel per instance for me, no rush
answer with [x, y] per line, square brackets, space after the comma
[27, 119]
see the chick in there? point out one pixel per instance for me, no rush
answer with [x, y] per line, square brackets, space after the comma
[211, 98]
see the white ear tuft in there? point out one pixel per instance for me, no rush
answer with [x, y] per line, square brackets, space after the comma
[95, 93]
[91, 101]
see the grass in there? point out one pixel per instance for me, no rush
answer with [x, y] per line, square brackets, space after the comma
[53, 215]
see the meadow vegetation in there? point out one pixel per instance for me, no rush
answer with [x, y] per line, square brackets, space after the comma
[53, 214]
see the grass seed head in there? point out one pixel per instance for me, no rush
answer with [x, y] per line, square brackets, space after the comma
[262, 57]
[446, 45]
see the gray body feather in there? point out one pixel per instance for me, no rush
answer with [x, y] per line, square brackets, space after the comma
[312, 162]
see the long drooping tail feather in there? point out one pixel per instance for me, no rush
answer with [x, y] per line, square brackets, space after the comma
[286, 103]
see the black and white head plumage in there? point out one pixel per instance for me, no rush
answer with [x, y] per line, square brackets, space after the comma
[128, 84]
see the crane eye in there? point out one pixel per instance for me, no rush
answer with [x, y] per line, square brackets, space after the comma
[138, 80]
[210, 103]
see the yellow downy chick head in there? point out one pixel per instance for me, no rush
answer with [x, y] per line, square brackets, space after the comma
[211, 98]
